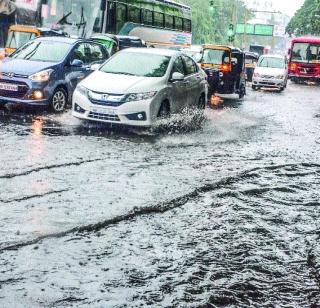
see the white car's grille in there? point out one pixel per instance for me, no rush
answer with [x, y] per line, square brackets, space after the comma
[103, 116]
[268, 76]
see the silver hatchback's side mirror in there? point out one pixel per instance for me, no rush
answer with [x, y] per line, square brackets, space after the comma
[77, 63]
[176, 76]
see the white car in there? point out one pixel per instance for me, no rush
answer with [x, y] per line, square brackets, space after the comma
[137, 86]
[270, 72]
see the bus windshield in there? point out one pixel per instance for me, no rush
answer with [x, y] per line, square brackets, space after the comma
[76, 17]
[306, 52]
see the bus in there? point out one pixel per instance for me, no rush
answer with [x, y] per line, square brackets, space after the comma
[157, 22]
[304, 59]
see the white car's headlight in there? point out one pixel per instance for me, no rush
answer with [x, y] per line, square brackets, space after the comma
[83, 90]
[41, 76]
[256, 75]
[280, 77]
[140, 96]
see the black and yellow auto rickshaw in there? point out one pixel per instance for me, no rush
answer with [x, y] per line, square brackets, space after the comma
[20, 34]
[251, 62]
[230, 62]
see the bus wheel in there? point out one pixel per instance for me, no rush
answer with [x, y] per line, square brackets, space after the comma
[242, 91]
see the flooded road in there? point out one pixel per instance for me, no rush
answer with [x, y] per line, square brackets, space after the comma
[208, 212]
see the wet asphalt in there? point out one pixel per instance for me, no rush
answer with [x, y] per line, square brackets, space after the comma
[220, 210]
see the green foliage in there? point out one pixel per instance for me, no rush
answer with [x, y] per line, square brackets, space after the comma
[306, 20]
[211, 23]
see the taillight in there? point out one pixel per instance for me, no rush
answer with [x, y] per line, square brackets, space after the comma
[226, 68]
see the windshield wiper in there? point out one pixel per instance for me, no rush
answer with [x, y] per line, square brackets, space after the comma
[63, 20]
[121, 73]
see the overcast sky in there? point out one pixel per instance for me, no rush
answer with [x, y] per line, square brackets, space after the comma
[288, 7]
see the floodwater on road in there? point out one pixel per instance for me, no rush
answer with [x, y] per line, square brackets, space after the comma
[213, 211]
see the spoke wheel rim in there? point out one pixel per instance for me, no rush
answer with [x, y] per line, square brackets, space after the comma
[59, 101]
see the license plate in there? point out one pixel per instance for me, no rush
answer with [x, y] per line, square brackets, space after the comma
[8, 87]
[104, 110]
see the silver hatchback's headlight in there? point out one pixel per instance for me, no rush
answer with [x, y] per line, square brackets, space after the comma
[41, 76]
[280, 77]
[140, 96]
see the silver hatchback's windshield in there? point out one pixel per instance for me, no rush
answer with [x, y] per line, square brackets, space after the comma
[137, 64]
[271, 62]
[46, 51]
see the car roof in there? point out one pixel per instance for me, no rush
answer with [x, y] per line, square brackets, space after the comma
[273, 56]
[153, 51]
[62, 39]
[128, 37]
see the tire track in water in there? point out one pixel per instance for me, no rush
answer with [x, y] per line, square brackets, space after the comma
[33, 196]
[54, 166]
[158, 208]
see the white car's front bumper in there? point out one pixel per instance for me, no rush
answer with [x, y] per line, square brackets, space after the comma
[268, 82]
[135, 113]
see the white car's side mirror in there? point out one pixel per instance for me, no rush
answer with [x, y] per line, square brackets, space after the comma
[95, 67]
[176, 76]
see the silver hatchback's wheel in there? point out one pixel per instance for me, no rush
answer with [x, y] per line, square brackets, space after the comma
[59, 100]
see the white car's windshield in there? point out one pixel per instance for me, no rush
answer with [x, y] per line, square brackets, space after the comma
[137, 64]
[271, 62]
[47, 51]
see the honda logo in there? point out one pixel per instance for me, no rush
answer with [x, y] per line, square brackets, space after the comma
[104, 97]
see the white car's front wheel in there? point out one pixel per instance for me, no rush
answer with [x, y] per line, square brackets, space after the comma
[164, 111]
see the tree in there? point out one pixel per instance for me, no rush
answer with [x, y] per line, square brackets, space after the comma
[211, 22]
[306, 21]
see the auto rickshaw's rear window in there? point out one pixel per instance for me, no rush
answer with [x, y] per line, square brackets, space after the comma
[216, 56]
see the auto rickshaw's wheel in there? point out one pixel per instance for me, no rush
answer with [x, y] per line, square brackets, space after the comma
[59, 100]
[164, 111]
[242, 91]
[202, 102]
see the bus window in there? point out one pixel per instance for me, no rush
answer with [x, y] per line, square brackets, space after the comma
[178, 23]
[187, 25]
[158, 19]
[97, 27]
[148, 17]
[111, 19]
[121, 16]
[169, 21]
[134, 14]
